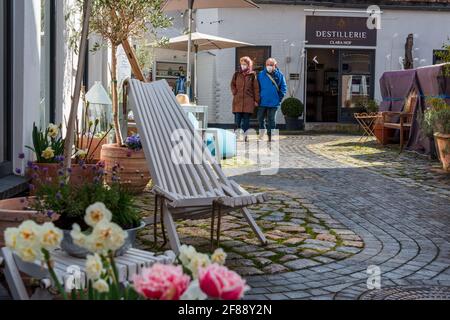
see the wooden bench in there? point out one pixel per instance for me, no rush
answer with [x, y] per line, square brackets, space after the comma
[402, 121]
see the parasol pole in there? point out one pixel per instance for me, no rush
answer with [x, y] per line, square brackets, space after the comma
[195, 74]
[188, 73]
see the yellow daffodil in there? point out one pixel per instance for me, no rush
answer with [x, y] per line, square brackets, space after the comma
[48, 153]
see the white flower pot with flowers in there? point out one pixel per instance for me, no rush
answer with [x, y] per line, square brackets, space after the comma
[197, 277]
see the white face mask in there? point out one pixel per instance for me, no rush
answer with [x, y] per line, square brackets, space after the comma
[244, 67]
[269, 69]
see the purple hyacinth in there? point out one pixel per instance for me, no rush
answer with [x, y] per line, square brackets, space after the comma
[18, 171]
[21, 155]
[60, 173]
[30, 164]
[58, 195]
[134, 142]
[50, 213]
[35, 168]
[59, 158]
[69, 170]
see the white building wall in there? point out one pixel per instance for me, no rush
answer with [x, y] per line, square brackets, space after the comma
[26, 74]
[283, 28]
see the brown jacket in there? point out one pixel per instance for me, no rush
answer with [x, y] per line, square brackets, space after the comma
[245, 89]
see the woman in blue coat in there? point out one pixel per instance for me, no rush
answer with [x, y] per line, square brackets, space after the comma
[272, 89]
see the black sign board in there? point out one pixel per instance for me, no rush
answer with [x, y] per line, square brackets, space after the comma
[339, 31]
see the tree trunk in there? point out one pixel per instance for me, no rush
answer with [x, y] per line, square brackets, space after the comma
[115, 98]
[69, 140]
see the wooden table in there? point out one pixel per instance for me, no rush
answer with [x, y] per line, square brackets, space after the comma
[70, 270]
[366, 121]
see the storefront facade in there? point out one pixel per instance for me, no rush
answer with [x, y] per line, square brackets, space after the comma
[35, 75]
[331, 58]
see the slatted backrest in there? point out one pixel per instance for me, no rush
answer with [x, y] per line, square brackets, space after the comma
[158, 115]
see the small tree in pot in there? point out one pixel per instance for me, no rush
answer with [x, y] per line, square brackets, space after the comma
[436, 122]
[292, 109]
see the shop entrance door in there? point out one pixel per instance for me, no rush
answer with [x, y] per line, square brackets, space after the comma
[322, 85]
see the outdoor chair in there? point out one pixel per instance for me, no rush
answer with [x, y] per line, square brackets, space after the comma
[185, 189]
[402, 121]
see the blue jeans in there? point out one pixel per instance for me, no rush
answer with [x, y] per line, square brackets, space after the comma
[269, 123]
[242, 120]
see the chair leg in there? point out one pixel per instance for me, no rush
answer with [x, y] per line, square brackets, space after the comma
[402, 138]
[219, 218]
[155, 221]
[174, 240]
[212, 225]
[248, 216]
[13, 277]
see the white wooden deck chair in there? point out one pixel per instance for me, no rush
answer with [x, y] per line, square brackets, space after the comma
[187, 190]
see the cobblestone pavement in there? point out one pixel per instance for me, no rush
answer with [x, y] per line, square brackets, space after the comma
[337, 207]
[404, 223]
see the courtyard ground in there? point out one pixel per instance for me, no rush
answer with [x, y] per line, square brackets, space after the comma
[338, 206]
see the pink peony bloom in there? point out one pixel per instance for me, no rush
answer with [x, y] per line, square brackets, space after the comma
[161, 282]
[218, 282]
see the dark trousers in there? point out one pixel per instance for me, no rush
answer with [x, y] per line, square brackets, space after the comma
[242, 120]
[270, 113]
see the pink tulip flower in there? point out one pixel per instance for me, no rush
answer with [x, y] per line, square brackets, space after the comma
[218, 282]
[161, 282]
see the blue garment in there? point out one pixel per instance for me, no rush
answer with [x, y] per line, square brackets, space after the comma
[242, 120]
[180, 86]
[270, 96]
[268, 124]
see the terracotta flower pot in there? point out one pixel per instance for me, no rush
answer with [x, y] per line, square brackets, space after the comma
[95, 147]
[378, 131]
[127, 166]
[50, 172]
[443, 146]
[12, 213]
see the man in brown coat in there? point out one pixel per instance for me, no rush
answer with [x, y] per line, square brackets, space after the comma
[245, 89]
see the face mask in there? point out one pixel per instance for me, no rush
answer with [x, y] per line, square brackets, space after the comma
[269, 69]
[244, 67]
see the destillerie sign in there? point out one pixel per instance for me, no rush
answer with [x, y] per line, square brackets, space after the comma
[339, 31]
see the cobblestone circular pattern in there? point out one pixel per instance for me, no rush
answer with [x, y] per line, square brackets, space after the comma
[408, 293]
[299, 236]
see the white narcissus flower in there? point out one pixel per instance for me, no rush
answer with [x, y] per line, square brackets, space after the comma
[97, 213]
[106, 236]
[11, 235]
[78, 237]
[48, 153]
[81, 153]
[199, 260]
[186, 254]
[53, 130]
[29, 253]
[219, 256]
[50, 237]
[28, 234]
[101, 286]
[94, 266]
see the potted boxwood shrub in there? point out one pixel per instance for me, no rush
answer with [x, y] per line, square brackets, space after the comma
[69, 203]
[437, 123]
[292, 109]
